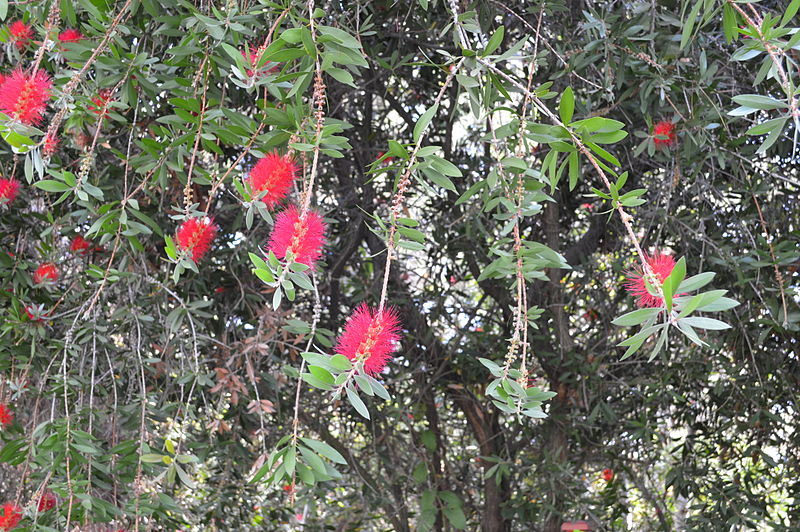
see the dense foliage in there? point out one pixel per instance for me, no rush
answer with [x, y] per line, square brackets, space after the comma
[201, 329]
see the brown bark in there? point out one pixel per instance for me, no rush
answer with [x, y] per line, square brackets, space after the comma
[490, 437]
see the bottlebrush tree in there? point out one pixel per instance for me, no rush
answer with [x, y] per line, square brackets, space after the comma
[262, 261]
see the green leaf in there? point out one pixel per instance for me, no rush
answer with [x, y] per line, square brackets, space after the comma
[423, 122]
[289, 460]
[768, 127]
[413, 234]
[729, 22]
[689, 24]
[567, 106]
[705, 323]
[444, 166]
[357, 403]
[321, 373]
[452, 510]
[325, 450]
[491, 366]
[341, 362]
[687, 331]
[312, 459]
[50, 185]
[790, 12]
[495, 41]
[341, 75]
[316, 382]
[694, 282]
[378, 388]
[185, 479]
[420, 473]
[636, 317]
[757, 101]
[428, 439]
[257, 261]
[771, 138]
[265, 275]
[678, 273]
[364, 385]
[3, 9]
[723, 303]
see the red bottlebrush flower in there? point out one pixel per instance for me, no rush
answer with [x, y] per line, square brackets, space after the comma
[662, 266]
[21, 33]
[70, 35]
[272, 175]
[195, 236]
[80, 245]
[303, 237]
[10, 516]
[252, 58]
[665, 129]
[8, 190]
[47, 272]
[219, 290]
[370, 336]
[36, 314]
[6, 416]
[587, 206]
[102, 98]
[47, 501]
[24, 96]
[288, 488]
[50, 144]
[453, 279]
[388, 160]
[608, 475]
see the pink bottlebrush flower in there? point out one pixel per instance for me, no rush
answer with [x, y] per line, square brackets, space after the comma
[24, 96]
[47, 272]
[608, 474]
[195, 236]
[272, 175]
[8, 190]
[79, 245]
[662, 266]
[50, 144]
[102, 98]
[70, 35]
[10, 516]
[302, 237]
[2, 79]
[370, 336]
[47, 501]
[21, 33]
[666, 129]
[6, 416]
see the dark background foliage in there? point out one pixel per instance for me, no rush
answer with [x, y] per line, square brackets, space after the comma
[131, 366]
